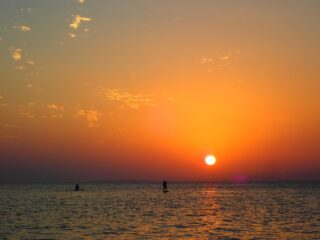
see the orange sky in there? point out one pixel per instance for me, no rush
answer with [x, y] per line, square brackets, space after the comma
[144, 90]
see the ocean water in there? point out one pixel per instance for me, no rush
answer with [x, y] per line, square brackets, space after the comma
[142, 211]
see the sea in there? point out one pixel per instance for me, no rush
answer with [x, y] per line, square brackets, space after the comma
[143, 211]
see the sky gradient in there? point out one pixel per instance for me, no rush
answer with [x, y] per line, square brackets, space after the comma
[144, 90]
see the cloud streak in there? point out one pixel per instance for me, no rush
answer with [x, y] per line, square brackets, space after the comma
[55, 107]
[72, 35]
[23, 28]
[16, 54]
[133, 101]
[221, 61]
[77, 21]
[92, 116]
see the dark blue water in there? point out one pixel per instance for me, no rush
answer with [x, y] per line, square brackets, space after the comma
[142, 211]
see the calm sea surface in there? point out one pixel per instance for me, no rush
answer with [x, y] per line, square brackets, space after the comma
[142, 211]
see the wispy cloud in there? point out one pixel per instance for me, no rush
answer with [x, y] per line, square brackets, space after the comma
[16, 54]
[23, 28]
[205, 60]
[225, 58]
[31, 104]
[133, 101]
[20, 67]
[35, 111]
[30, 62]
[77, 21]
[10, 137]
[55, 107]
[11, 125]
[92, 116]
[223, 61]
[26, 9]
[27, 114]
[72, 35]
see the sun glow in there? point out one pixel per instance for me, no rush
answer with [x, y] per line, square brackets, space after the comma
[210, 160]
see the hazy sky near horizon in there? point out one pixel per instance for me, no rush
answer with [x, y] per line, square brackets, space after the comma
[144, 89]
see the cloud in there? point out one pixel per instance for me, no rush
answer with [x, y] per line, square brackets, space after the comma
[31, 104]
[16, 54]
[205, 60]
[92, 116]
[26, 114]
[72, 35]
[25, 9]
[222, 61]
[77, 21]
[52, 106]
[55, 107]
[20, 67]
[133, 101]
[226, 57]
[10, 137]
[10, 125]
[23, 28]
[80, 1]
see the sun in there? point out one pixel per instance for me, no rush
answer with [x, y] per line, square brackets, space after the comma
[210, 160]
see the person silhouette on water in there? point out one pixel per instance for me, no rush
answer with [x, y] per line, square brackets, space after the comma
[164, 186]
[77, 187]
